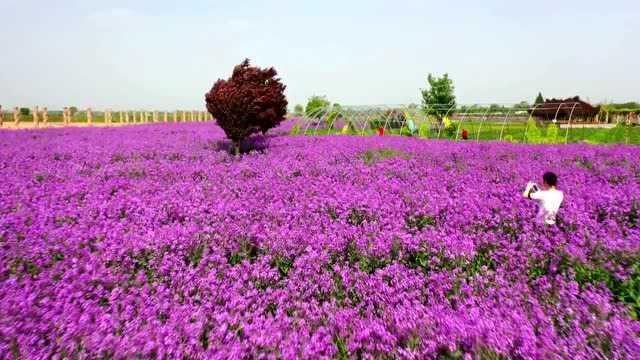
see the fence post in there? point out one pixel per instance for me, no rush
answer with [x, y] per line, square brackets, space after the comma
[34, 113]
[45, 115]
[16, 116]
[89, 117]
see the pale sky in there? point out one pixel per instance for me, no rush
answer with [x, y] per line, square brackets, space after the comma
[164, 55]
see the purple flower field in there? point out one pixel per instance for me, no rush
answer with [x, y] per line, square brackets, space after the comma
[153, 242]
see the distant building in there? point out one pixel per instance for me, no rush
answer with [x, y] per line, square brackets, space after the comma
[574, 108]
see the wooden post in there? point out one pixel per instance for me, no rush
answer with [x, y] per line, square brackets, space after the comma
[126, 117]
[89, 117]
[34, 113]
[65, 114]
[184, 116]
[16, 116]
[175, 116]
[165, 116]
[45, 115]
[155, 117]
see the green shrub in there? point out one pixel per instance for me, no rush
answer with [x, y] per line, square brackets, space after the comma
[532, 133]
[317, 107]
[295, 130]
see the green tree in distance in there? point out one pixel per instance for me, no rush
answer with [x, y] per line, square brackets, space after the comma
[439, 97]
[317, 107]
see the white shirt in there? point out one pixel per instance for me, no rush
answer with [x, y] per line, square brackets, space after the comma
[550, 201]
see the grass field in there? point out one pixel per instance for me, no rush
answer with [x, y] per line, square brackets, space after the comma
[511, 131]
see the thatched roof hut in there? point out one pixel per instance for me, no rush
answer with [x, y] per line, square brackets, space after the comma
[558, 109]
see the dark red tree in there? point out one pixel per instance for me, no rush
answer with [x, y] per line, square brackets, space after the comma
[252, 100]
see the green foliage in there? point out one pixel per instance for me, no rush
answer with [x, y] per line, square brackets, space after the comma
[439, 97]
[25, 111]
[372, 156]
[419, 222]
[298, 110]
[335, 113]
[317, 107]
[532, 133]
[342, 352]
[295, 130]
[539, 99]
[450, 128]
[621, 108]
[357, 217]
[73, 110]
[522, 105]
[195, 255]
[283, 264]
[247, 251]
[626, 291]
[553, 135]
[423, 130]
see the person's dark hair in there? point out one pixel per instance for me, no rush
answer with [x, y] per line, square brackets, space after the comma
[550, 178]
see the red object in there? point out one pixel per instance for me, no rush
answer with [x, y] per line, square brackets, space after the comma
[252, 100]
[465, 134]
[380, 131]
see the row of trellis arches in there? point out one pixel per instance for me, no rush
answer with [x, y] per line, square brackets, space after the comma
[474, 122]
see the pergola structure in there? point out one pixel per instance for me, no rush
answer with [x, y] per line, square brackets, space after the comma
[569, 109]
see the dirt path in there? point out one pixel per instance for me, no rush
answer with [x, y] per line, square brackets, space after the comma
[31, 125]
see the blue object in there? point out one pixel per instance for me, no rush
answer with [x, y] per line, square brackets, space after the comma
[411, 126]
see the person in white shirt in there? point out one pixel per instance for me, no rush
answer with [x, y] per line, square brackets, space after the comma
[549, 197]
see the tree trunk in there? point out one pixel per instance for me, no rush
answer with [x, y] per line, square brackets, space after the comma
[236, 147]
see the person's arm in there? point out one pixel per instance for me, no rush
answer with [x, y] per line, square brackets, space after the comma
[536, 194]
[529, 190]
